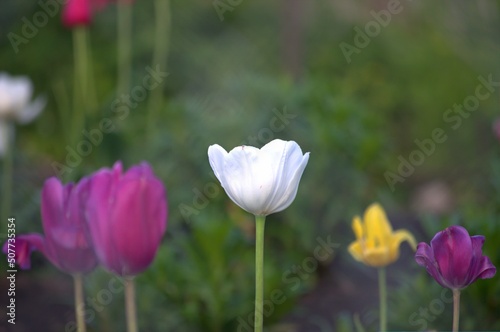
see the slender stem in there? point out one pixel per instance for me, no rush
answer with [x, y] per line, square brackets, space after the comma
[63, 105]
[8, 161]
[382, 287]
[259, 272]
[81, 65]
[130, 305]
[81, 60]
[91, 87]
[456, 309]
[79, 302]
[124, 45]
[162, 36]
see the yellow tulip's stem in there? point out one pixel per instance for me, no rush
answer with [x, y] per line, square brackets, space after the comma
[124, 46]
[79, 302]
[382, 286]
[130, 305]
[456, 309]
[259, 272]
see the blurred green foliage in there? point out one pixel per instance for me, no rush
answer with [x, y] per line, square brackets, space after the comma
[228, 83]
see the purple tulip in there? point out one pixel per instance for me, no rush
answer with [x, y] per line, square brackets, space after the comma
[65, 243]
[455, 259]
[127, 217]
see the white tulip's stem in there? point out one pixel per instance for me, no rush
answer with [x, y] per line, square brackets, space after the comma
[8, 161]
[124, 46]
[382, 287]
[259, 272]
[79, 302]
[456, 309]
[130, 305]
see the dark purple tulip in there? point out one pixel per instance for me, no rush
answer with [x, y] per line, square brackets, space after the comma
[127, 217]
[455, 259]
[65, 243]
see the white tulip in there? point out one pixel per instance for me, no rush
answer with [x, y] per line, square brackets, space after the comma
[16, 105]
[260, 181]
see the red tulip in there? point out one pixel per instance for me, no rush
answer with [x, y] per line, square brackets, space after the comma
[77, 12]
[65, 243]
[80, 12]
[127, 217]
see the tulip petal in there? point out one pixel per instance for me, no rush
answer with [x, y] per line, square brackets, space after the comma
[357, 227]
[99, 205]
[53, 212]
[293, 170]
[31, 111]
[216, 158]
[140, 212]
[396, 239]
[377, 256]
[274, 155]
[247, 180]
[481, 266]
[23, 246]
[378, 228]
[52, 204]
[20, 89]
[356, 250]
[67, 244]
[425, 257]
[453, 253]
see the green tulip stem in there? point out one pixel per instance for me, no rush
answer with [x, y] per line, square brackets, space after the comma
[259, 272]
[162, 36]
[81, 67]
[382, 287]
[456, 309]
[79, 302]
[130, 305]
[8, 161]
[124, 46]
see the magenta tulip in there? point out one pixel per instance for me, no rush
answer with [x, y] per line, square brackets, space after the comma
[127, 217]
[455, 259]
[77, 13]
[81, 12]
[65, 243]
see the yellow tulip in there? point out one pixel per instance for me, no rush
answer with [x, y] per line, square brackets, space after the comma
[376, 243]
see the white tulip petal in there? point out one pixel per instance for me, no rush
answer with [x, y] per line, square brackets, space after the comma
[216, 157]
[30, 112]
[15, 96]
[260, 181]
[293, 185]
[290, 159]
